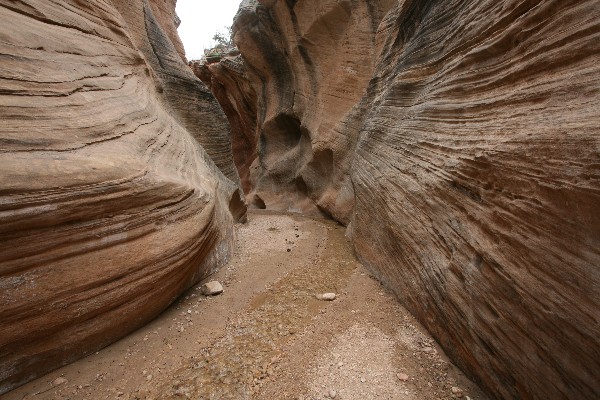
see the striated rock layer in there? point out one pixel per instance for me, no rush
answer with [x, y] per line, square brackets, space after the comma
[460, 140]
[117, 184]
[229, 82]
[308, 64]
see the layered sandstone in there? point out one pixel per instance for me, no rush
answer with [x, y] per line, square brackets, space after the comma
[117, 185]
[460, 142]
[307, 67]
[229, 81]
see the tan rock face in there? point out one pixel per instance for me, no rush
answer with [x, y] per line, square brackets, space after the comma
[117, 185]
[168, 20]
[305, 68]
[229, 82]
[461, 142]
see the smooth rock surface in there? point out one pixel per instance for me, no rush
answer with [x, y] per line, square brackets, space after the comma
[459, 140]
[117, 184]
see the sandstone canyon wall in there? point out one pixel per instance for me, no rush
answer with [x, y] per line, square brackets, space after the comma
[229, 81]
[117, 184]
[460, 142]
[305, 67]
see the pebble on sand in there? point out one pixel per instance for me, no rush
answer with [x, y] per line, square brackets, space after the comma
[326, 296]
[59, 381]
[402, 376]
[211, 288]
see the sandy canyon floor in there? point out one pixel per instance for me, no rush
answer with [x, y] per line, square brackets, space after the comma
[267, 336]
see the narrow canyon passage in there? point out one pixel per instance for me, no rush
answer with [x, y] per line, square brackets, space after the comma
[267, 336]
[457, 142]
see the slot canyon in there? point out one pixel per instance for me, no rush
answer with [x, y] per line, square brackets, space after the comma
[434, 164]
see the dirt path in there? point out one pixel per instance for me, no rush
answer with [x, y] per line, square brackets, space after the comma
[268, 336]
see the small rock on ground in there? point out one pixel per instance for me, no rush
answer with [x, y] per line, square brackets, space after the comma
[211, 288]
[326, 296]
[402, 376]
[59, 381]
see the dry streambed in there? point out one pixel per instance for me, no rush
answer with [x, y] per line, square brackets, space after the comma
[268, 336]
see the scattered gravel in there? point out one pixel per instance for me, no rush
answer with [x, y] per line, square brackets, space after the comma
[268, 337]
[366, 371]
